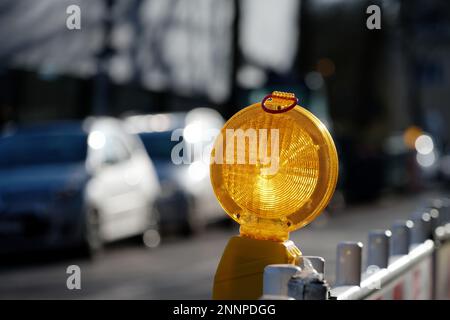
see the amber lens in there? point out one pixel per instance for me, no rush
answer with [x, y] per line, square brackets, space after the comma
[290, 189]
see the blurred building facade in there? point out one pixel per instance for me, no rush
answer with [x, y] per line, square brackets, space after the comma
[150, 56]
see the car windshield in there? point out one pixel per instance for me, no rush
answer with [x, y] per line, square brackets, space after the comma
[159, 144]
[40, 149]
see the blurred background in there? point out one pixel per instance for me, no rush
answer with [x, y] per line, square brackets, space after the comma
[88, 119]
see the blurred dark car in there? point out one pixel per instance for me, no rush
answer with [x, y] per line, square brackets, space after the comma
[73, 184]
[187, 202]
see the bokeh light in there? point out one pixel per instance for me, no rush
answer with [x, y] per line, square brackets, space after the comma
[424, 144]
[96, 140]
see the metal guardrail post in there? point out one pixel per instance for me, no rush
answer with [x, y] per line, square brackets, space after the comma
[399, 244]
[348, 264]
[378, 248]
[399, 271]
[276, 278]
[317, 262]
[401, 255]
[309, 284]
[421, 229]
[310, 287]
[446, 211]
[435, 222]
[443, 207]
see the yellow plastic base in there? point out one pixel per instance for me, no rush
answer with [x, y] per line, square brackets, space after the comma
[239, 275]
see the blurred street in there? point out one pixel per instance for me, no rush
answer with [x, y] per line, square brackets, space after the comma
[184, 268]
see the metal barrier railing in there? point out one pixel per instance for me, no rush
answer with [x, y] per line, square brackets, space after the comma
[410, 261]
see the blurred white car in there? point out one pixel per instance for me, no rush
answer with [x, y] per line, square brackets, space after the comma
[74, 184]
[187, 202]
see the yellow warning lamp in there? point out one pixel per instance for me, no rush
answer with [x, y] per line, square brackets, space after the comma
[274, 168]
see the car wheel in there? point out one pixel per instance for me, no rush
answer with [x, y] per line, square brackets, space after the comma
[151, 236]
[92, 241]
[154, 217]
[192, 223]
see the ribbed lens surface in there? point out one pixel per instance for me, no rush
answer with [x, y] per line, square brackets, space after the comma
[274, 171]
[281, 184]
